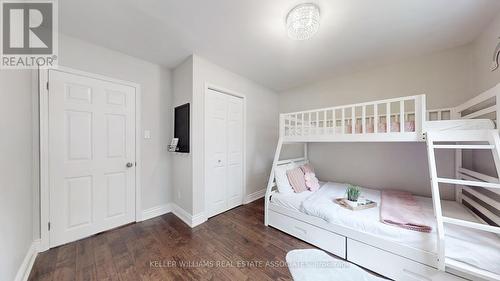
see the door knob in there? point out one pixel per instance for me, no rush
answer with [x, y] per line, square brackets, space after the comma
[130, 165]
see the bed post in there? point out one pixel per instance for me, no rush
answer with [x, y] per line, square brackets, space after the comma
[420, 114]
[497, 105]
[455, 115]
[306, 152]
[275, 163]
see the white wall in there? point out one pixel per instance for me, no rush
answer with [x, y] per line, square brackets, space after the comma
[16, 170]
[183, 162]
[445, 77]
[261, 124]
[483, 49]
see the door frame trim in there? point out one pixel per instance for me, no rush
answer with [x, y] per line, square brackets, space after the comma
[209, 86]
[43, 79]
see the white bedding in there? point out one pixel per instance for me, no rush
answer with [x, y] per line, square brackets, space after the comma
[476, 248]
[462, 124]
[291, 200]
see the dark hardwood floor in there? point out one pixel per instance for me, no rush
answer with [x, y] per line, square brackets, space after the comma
[232, 246]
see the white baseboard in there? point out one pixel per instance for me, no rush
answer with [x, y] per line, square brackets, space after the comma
[187, 218]
[156, 211]
[255, 195]
[198, 219]
[179, 212]
[25, 269]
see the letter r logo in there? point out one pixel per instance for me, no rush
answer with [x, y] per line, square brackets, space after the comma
[27, 28]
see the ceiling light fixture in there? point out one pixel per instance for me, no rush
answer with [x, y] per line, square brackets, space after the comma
[302, 22]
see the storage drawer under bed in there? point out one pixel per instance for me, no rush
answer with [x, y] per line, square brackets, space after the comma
[324, 239]
[393, 266]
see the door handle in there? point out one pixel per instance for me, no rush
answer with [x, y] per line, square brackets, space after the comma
[130, 165]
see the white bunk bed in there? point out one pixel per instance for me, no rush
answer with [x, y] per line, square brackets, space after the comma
[402, 119]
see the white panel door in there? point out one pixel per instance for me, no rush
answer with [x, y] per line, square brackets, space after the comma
[91, 156]
[234, 172]
[223, 152]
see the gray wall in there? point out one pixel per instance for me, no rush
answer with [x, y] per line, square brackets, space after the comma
[183, 162]
[445, 77]
[401, 166]
[16, 170]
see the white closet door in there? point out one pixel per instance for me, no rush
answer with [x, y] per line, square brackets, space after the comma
[216, 152]
[223, 151]
[92, 156]
[234, 172]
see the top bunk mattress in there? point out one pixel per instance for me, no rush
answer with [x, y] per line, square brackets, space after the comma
[462, 124]
[476, 248]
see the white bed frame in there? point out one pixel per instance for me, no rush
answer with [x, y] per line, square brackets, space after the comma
[391, 259]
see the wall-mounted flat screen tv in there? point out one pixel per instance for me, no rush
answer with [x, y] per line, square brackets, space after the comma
[181, 127]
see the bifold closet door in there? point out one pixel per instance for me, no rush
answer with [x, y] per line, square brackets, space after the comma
[91, 156]
[224, 152]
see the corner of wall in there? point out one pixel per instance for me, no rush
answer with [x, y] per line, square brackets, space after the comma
[182, 164]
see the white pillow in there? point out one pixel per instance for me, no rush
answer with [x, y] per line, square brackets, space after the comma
[282, 179]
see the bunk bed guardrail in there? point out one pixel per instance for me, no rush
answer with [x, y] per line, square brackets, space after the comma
[484, 202]
[397, 119]
[485, 106]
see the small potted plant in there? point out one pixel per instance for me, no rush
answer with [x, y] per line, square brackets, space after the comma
[353, 192]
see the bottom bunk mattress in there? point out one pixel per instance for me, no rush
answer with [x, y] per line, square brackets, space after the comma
[476, 248]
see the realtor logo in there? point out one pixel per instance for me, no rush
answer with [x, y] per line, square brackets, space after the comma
[29, 33]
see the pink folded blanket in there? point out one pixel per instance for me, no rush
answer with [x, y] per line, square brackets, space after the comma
[399, 208]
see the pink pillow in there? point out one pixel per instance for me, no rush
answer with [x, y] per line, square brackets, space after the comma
[310, 178]
[369, 128]
[410, 126]
[296, 179]
[307, 168]
[359, 128]
[382, 127]
[395, 127]
[312, 182]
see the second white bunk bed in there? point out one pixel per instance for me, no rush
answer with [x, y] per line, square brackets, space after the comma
[462, 243]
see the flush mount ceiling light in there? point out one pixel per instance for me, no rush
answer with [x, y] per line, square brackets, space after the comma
[302, 22]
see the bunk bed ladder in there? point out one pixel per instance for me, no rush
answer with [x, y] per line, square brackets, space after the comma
[270, 182]
[491, 137]
[436, 200]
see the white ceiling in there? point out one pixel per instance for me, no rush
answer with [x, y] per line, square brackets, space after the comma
[249, 38]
